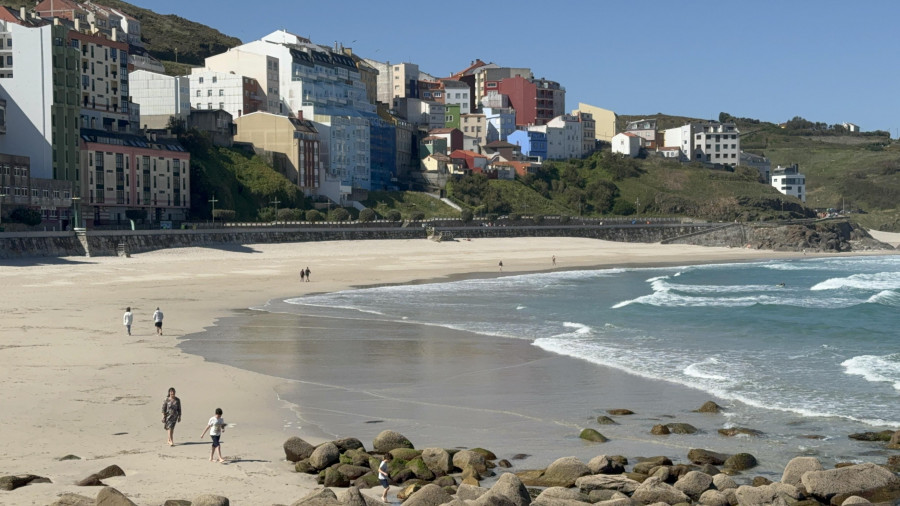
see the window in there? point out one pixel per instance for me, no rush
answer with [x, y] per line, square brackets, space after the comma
[209, 105]
[198, 93]
[199, 106]
[209, 92]
[201, 80]
[222, 105]
[221, 93]
[215, 79]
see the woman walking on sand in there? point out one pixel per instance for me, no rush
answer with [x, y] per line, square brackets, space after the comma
[171, 414]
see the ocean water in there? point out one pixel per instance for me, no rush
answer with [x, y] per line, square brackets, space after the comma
[826, 343]
[805, 350]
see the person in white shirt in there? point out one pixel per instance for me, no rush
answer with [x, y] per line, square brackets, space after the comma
[127, 319]
[157, 321]
[215, 427]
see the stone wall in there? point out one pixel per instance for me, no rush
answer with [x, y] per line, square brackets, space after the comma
[106, 242]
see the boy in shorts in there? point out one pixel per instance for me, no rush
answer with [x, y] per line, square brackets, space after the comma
[383, 475]
[215, 427]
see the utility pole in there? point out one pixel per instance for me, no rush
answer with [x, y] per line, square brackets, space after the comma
[213, 202]
[276, 202]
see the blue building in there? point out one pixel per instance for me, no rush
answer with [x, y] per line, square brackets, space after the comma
[383, 144]
[533, 144]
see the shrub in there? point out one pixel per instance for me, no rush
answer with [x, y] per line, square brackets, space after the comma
[537, 219]
[30, 217]
[417, 215]
[340, 214]
[367, 215]
[466, 215]
[267, 214]
[314, 216]
[393, 215]
[290, 214]
[623, 208]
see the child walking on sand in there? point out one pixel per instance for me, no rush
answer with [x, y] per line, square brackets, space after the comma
[215, 427]
[384, 476]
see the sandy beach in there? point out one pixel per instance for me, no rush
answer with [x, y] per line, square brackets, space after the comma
[75, 383]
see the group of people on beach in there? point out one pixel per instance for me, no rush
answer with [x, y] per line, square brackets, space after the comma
[128, 319]
[171, 415]
[304, 275]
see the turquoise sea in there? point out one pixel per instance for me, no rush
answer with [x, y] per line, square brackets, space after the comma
[806, 350]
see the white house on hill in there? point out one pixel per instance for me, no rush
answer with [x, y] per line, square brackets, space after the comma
[627, 143]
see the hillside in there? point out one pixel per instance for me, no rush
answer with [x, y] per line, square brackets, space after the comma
[164, 35]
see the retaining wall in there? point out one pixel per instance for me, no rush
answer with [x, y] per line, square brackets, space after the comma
[105, 243]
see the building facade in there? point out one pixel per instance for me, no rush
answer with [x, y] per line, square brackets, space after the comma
[233, 93]
[789, 181]
[604, 121]
[160, 97]
[293, 143]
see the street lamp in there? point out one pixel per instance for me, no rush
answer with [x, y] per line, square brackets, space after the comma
[76, 223]
[276, 202]
[213, 202]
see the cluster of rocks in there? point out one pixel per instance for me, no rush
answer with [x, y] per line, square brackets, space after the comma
[438, 476]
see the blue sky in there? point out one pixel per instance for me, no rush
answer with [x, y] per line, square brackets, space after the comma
[826, 60]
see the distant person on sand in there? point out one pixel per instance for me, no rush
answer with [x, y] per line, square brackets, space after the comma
[554, 259]
[302, 275]
[384, 476]
[157, 321]
[127, 318]
[171, 414]
[501, 265]
[215, 427]
[307, 274]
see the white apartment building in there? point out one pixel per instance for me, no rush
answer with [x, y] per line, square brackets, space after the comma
[252, 61]
[564, 137]
[627, 143]
[789, 181]
[457, 93]
[210, 90]
[160, 97]
[395, 80]
[712, 142]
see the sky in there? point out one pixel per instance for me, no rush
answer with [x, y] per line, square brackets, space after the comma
[826, 61]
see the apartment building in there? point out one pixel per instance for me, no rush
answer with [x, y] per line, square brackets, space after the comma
[256, 65]
[564, 137]
[501, 121]
[233, 93]
[711, 142]
[474, 125]
[789, 181]
[395, 80]
[588, 131]
[122, 172]
[18, 189]
[604, 121]
[40, 80]
[293, 143]
[531, 142]
[160, 97]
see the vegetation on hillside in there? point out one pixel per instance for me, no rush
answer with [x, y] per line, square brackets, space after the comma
[237, 181]
[408, 205]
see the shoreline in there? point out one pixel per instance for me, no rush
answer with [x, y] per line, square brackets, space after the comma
[78, 385]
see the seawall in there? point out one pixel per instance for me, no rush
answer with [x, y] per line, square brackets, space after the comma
[112, 242]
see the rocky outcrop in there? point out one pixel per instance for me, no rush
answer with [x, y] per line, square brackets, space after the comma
[388, 440]
[864, 480]
[16, 481]
[795, 469]
[109, 496]
[296, 449]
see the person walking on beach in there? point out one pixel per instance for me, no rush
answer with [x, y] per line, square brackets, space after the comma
[215, 427]
[501, 265]
[127, 318]
[384, 476]
[157, 321]
[307, 274]
[302, 275]
[554, 259]
[171, 414]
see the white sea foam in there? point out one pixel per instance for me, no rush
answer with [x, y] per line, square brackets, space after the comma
[875, 281]
[580, 328]
[875, 369]
[519, 308]
[705, 370]
[885, 298]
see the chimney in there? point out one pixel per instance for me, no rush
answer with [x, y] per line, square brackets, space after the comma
[22, 13]
[77, 25]
[115, 34]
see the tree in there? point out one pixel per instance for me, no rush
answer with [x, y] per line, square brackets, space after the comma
[623, 207]
[466, 215]
[393, 215]
[290, 214]
[417, 215]
[265, 214]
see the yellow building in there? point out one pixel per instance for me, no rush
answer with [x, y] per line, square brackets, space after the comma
[605, 121]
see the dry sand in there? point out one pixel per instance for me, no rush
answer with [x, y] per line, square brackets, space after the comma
[75, 383]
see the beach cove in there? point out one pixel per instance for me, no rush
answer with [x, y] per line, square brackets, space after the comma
[75, 383]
